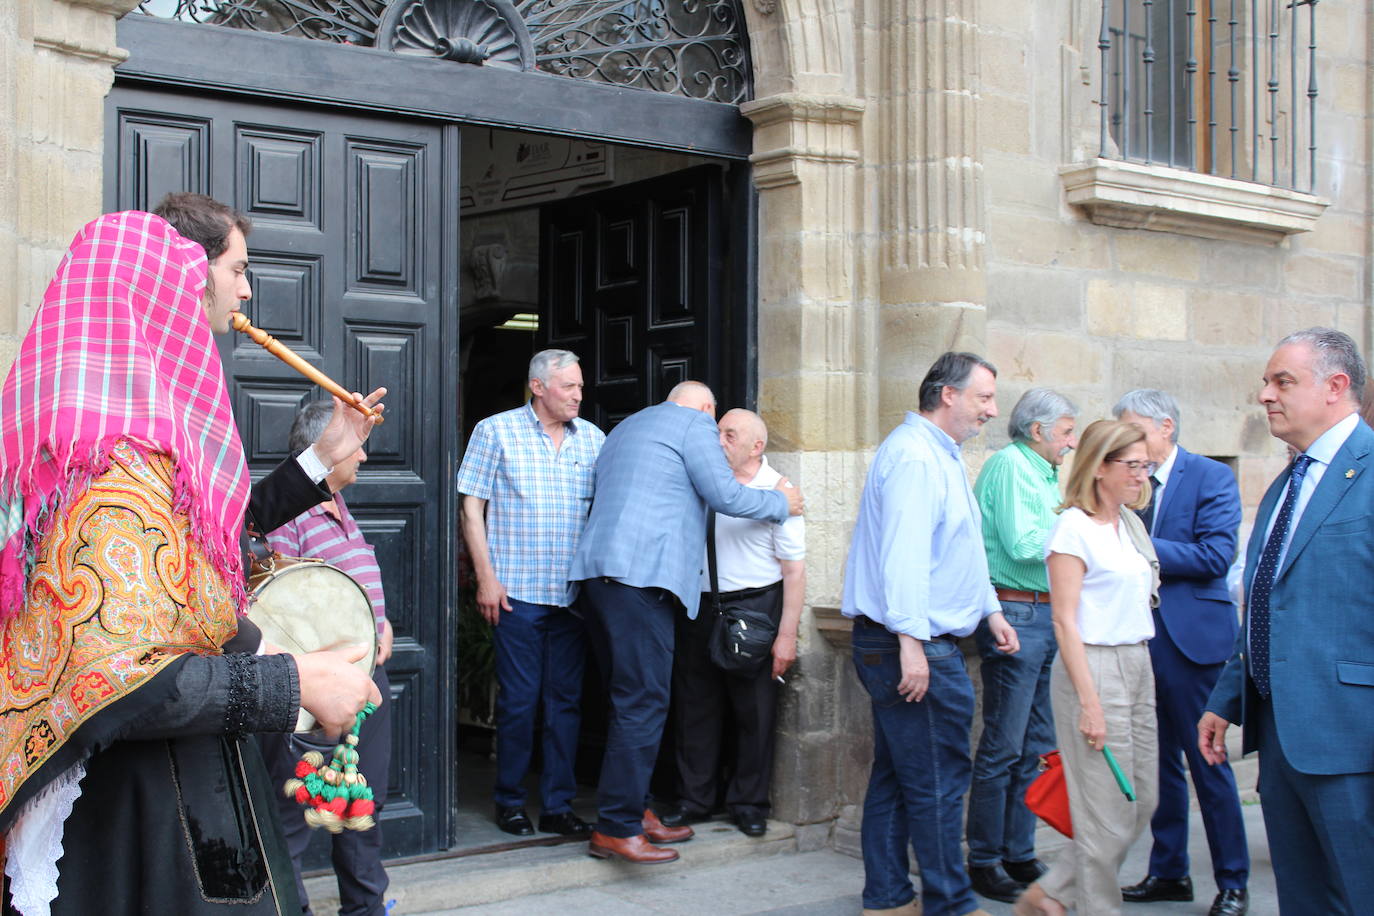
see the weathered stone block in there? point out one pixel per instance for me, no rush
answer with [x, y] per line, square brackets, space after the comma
[1158, 253]
[1314, 275]
[1035, 298]
[1161, 312]
[1004, 123]
[1225, 319]
[1043, 242]
[1046, 358]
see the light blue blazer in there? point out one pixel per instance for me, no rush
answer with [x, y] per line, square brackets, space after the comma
[1321, 611]
[657, 474]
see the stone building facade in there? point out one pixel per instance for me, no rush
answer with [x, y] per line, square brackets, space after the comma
[929, 177]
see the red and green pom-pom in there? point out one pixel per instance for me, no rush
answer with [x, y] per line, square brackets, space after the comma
[335, 794]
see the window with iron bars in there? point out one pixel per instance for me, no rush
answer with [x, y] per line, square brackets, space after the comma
[1223, 87]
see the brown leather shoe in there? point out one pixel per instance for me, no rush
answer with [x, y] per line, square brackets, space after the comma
[655, 830]
[636, 849]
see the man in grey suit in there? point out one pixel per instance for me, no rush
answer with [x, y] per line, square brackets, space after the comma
[1302, 676]
[638, 565]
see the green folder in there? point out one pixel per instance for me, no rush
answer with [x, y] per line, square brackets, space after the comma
[1122, 782]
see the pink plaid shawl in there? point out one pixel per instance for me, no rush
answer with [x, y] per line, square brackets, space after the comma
[119, 349]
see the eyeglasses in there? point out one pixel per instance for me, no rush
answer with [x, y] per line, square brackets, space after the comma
[1149, 467]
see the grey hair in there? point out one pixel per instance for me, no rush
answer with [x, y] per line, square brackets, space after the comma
[1152, 404]
[309, 423]
[951, 370]
[546, 362]
[1335, 352]
[1039, 405]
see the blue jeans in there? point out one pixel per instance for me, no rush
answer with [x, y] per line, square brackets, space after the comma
[920, 775]
[1018, 726]
[541, 651]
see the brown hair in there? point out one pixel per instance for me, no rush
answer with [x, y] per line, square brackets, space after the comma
[1100, 442]
[203, 220]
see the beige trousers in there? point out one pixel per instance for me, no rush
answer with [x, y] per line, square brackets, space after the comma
[1105, 824]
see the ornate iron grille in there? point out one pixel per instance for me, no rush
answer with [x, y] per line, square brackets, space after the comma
[1227, 87]
[694, 48]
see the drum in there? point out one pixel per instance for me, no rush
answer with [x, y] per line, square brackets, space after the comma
[308, 606]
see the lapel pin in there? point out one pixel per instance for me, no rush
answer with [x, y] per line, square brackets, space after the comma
[1350, 473]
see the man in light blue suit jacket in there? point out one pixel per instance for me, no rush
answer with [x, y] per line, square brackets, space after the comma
[1302, 677]
[638, 564]
[1193, 516]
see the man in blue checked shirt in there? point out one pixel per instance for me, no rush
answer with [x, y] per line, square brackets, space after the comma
[527, 483]
[917, 581]
[638, 567]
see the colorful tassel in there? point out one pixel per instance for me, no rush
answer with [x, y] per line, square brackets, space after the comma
[335, 795]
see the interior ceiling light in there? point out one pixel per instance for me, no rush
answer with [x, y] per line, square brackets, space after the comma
[520, 321]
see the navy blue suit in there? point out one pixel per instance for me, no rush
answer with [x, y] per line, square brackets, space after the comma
[1196, 519]
[1315, 731]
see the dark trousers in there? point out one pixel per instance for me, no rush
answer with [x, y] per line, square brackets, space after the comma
[1182, 687]
[1018, 726]
[356, 854]
[541, 651]
[702, 695]
[1321, 828]
[631, 632]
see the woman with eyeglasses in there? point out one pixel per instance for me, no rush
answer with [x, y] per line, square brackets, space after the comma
[1104, 577]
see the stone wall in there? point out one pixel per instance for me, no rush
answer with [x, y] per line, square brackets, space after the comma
[56, 61]
[911, 201]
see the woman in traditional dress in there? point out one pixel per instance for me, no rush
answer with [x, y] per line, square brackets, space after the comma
[127, 783]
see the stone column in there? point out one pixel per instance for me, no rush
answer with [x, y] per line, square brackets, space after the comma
[57, 63]
[816, 391]
[927, 176]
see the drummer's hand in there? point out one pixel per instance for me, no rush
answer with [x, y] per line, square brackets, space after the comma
[333, 689]
[348, 429]
[492, 599]
[384, 642]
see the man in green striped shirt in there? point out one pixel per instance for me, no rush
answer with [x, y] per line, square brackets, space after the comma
[1017, 492]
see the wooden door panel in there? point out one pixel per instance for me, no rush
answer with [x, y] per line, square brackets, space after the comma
[345, 266]
[633, 282]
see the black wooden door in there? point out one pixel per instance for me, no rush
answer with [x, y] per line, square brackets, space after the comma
[350, 267]
[633, 280]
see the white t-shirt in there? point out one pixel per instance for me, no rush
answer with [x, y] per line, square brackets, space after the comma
[748, 550]
[1114, 605]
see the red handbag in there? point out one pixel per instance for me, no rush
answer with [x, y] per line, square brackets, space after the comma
[1048, 795]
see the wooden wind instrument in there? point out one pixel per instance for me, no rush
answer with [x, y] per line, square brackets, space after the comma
[284, 353]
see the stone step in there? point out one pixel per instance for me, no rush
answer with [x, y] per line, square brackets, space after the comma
[441, 884]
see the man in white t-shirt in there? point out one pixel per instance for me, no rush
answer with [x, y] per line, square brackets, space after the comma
[761, 563]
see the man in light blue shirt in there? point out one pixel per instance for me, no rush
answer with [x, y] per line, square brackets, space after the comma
[916, 581]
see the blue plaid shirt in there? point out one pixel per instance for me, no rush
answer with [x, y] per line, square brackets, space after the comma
[537, 499]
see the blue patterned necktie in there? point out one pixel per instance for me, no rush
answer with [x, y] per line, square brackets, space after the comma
[1263, 583]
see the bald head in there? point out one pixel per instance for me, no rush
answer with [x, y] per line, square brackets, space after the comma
[693, 396]
[743, 436]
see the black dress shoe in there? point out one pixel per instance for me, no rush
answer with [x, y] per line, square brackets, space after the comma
[682, 817]
[514, 821]
[1231, 901]
[566, 824]
[751, 823]
[1152, 889]
[993, 882]
[1025, 873]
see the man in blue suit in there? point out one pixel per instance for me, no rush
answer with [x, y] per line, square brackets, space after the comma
[1301, 679]
[1192, 518]
[639, 565]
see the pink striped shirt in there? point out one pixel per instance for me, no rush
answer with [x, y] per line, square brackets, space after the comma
[338, 542]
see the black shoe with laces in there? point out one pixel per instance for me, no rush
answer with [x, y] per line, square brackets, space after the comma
[1230, 901]
[514, 821]
[1153, 889]
[993, 882]
[565, 824]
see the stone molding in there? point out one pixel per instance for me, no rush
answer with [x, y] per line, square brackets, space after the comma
[1130, 195]
[793, 127]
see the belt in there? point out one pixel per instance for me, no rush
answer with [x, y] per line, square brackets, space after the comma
[1014, 594]
[861, 620]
